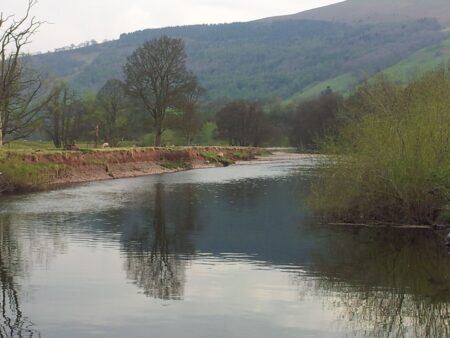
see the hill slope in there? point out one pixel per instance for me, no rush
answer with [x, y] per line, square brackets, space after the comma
[277, 57]
[376, 11]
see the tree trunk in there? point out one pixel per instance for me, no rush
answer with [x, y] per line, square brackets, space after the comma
[97, 136]
[188, 139]
[1, 128]
[158, 132]
[2, 136]
[158, 138]
[1, 132]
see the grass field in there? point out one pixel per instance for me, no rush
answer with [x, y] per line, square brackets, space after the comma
[406, 71]
[420, 62]
[342, 84]
[31, 146]
[38, 145]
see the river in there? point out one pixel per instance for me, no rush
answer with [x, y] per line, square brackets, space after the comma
[223, 252]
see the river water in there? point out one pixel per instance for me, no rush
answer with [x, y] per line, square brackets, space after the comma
[226, 252]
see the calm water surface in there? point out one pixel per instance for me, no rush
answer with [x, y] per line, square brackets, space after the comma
[227, 252]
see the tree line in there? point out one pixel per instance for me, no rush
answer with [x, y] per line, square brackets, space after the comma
[158, 95]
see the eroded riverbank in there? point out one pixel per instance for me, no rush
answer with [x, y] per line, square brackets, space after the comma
[40, 170]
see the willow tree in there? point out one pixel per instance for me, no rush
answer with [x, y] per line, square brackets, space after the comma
[20, 87]
[157, 75]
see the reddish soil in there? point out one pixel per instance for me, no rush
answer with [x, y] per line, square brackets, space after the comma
[97, 165]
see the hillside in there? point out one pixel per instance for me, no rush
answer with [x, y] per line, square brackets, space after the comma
[276, 57]
[379, 11]
[422, 61]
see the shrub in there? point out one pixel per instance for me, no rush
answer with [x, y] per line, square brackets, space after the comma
[392, 155]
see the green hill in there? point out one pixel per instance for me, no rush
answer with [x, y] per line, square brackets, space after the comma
[376, 11]
[277, 57]
[421, 61]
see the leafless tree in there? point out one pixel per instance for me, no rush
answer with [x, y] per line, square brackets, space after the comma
[156, 74]
[59, 115]
[188, 120]
[112, 100]
[20, 87]
[243, 123]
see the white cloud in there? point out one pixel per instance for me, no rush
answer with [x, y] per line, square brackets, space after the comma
[81, 20]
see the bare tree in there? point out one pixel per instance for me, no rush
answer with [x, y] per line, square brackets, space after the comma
[20, 87]
[243, 123]
[112, 99]
[156, 73]
[59, 115]
[189, 123]
[313, 119]
[188, 119]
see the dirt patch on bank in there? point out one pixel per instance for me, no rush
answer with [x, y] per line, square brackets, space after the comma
[23, 171]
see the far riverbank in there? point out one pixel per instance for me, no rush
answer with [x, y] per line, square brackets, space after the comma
[23, 171]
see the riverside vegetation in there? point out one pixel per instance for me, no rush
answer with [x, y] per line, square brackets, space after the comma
[390, 155]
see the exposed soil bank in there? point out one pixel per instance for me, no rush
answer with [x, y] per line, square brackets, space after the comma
[27, 171]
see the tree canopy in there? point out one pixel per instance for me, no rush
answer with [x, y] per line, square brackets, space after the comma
[157, 75]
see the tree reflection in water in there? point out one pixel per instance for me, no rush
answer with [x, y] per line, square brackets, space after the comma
[13, 323]
[386, 283]
[158, 252]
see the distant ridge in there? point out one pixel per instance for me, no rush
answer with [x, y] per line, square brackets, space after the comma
[290, 57]
[376, 11]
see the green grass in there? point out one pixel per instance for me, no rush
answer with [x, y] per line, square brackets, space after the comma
[417, 64]
[175, 165]
[29, 145]
[17, 175]
[420, 62]
[214, 158]
[342, 84]
[242, 154]
[262, 152]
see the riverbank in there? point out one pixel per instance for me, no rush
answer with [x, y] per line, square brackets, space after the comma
[22, 171]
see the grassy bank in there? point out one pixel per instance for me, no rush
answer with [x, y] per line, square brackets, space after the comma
[16, 175]
[26, 169]
[391, 157]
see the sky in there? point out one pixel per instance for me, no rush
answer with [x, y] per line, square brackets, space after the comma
[75, 21]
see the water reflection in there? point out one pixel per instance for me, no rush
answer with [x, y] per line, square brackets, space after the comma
[386, 283]
[213, 247]
[13, 322]
[156, 257]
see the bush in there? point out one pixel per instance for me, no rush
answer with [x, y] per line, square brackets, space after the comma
[392, 155]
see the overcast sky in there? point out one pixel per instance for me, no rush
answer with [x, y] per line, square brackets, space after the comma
[75, 21]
